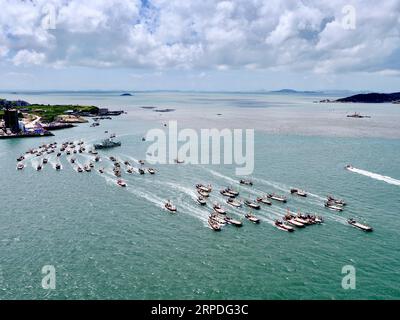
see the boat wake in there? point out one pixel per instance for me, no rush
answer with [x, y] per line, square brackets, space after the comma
[376, 176]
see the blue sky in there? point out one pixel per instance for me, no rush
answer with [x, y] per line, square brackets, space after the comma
[199, 45]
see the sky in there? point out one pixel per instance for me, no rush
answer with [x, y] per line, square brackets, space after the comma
[210, 45]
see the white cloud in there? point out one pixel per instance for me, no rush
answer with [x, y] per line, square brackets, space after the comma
[163, 34]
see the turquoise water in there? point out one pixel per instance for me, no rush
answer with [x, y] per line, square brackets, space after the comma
[114, 243]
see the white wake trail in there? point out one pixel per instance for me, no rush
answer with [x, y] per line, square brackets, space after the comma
[376, 176]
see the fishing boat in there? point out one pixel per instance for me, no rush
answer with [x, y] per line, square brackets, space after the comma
[251, 204]
[113, 159]
[276, 197]
[87, 168]
[252, 218]
[151, 171]
[293, 222]
[20, 158]
[203, 193]
[218, 208]
[97, 159]
[20, 166]
[233, 202]
[359, 225]
[177, 161]
[72, 160]
[79, 169]
[218, 218]
[226, 193]
[127, 163]
[233, 222]
[214, 224]
[58, 166]
[129, 170]
[333, 206]
[169, 206]
[299, 192]
[201, 200]
[141, 171]
[336, 201]
[264, 200]
[204, 188]
[68, 152]
[101, 170]
[246, 182]
[281, 226]
[91, 164]
[121, 183]
[349, 166]
[107, 144]
[45, 160]
[59, 154]
[141, 162]
[39, 167]
[232, 191]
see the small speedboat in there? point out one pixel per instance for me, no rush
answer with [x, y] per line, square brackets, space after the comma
[21, 158]
[151, 171]
[214, 224]
[59, 154]
[20, 166]
[203, 193]
[299, 192]
[97, 159]
[264, 200]
[232, 191]
[281, 226]
[39, 167]
[169, 206]
[129, 170]
[45, 160]
[252, 204]
[204, 188]
[79, 169]
[252, 218]
[91, 164]
[141, 171]
[87, 168]
[233, 222]
[101, 170]
[359, 225]
[201, 200]
[121, 183]
[233, 202]
[113, 159]
[349, 166]
[72, 160]
[246, 182]
[141, 162]
[218, 208]
[58, 166]
[179, 161]
[273, 196]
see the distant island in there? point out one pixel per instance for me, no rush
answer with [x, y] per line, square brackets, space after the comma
[369, 98]
[126, 95]
[292, 91]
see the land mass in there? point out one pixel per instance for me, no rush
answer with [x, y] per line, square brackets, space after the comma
[370, 98]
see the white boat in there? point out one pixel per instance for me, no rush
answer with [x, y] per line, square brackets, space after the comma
[227, 193]
[20, 166]
[299, 192]
[217, 207]
[252, 218]
[233, 202]
[79, 169]
[246, 182]
[252, 205]
[170, 207]
[232, 191]
[359, 225]
[233, 222]
[281, 226]
[203, 193]
[333, 206]
[273, 196]
[207, 189]
[264, 200]
[201, 200]
[121, 183]
[151, 171]
[39, 167]
[292, 221]
[214, 224]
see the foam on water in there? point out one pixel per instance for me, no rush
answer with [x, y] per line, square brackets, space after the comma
[376, 176]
